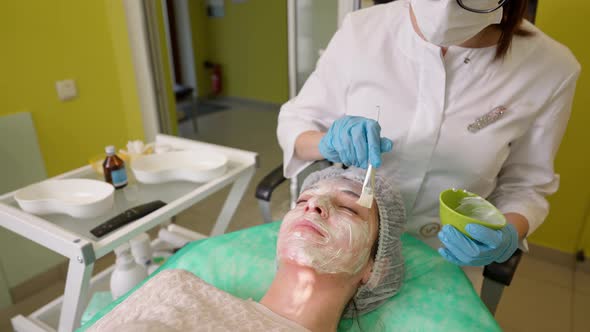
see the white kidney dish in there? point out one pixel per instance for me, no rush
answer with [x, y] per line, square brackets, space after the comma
[79, 198]
[193, 166]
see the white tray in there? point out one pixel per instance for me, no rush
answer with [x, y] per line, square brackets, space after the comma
[79, 198]
[190, 165]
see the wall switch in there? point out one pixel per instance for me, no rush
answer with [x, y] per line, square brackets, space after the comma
[66, 89]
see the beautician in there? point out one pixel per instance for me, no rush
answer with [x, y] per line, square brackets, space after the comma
[467, 95]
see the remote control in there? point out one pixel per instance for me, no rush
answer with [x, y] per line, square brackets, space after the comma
[126, 217]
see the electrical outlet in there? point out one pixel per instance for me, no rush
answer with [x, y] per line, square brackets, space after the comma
[66, 89]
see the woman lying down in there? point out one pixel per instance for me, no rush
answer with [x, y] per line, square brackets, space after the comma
[335, 259]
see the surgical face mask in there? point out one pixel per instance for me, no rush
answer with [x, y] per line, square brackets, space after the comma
[322, 231]
[445, 23]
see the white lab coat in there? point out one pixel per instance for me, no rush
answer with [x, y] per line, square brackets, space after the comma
[427, 102]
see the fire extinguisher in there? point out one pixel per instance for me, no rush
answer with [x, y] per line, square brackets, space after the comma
[216, 85]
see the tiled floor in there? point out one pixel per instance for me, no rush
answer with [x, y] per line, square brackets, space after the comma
[543, 296]
[546, 297]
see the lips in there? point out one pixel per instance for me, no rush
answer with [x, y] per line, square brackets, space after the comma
[309, 226]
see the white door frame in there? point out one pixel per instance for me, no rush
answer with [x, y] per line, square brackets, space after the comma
[292, 46]
[147, 62]
[184, 34]
[136, 26]
[185, 45]
[344, 7]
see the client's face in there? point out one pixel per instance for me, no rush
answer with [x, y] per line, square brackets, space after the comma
[327, 230]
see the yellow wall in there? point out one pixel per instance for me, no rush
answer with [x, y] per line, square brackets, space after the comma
[585, 237]
[566, 21]
[250, 42]
[45, 41]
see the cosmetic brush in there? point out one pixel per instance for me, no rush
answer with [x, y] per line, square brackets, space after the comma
[367, 195]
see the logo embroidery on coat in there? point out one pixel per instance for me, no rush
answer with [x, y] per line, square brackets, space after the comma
[487, 119]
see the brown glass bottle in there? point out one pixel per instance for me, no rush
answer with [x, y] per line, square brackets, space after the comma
[114, 169]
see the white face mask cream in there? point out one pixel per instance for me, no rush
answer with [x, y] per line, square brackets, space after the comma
[325, 232]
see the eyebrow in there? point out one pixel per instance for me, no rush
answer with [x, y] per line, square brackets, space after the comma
[350, 193]
[344, 191]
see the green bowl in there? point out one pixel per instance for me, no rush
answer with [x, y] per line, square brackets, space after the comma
[449, 202]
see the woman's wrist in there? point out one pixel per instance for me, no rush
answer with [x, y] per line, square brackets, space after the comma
[519, 222]
[307, 145]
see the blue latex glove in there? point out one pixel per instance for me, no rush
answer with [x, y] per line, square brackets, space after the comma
[354, 140]
[488, 245]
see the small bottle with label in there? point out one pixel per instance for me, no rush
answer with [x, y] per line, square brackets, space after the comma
[114, 169]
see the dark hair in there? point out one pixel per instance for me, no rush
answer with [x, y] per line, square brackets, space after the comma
[376, 243]
[514, 13]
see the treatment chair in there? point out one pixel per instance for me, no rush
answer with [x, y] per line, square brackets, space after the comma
[435, 295]
[496, 275]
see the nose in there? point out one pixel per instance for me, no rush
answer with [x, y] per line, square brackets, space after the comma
[317, 205]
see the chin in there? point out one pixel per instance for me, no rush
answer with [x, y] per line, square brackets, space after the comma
[294, 257]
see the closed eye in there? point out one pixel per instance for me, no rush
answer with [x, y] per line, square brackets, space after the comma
[301, 201]
[348, 209]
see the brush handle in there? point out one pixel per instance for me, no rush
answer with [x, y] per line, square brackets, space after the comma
[369, 177]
